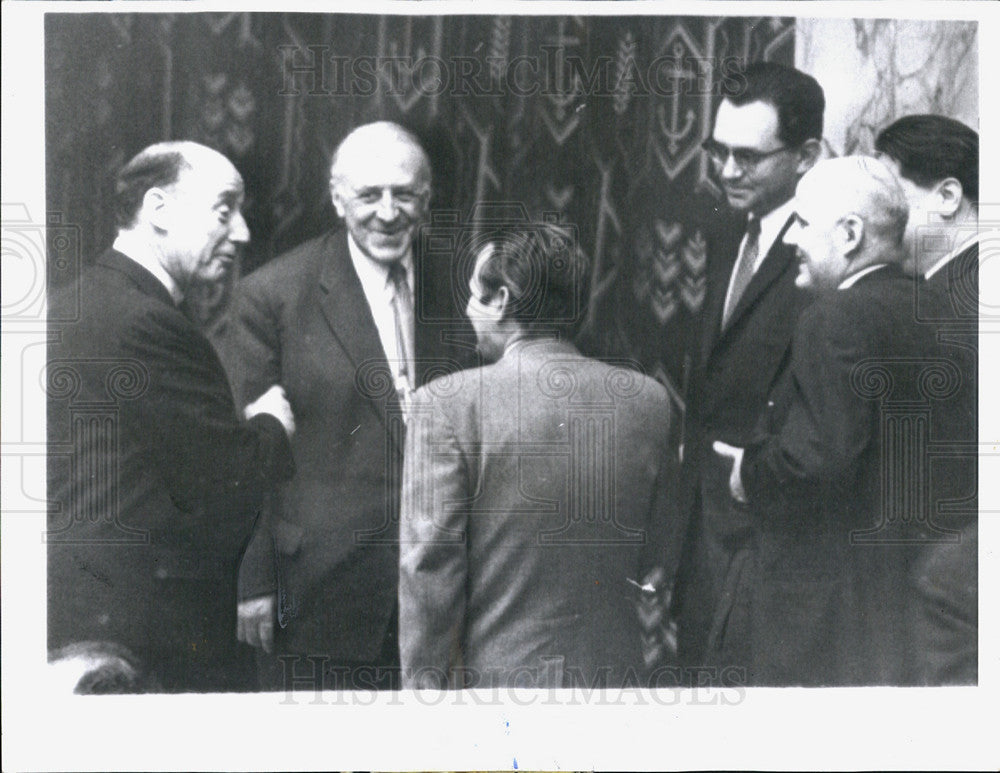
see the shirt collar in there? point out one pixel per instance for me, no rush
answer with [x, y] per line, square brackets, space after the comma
[138, 252]
[771, 225]
[853, 278]
[374, 274]
[948, 258]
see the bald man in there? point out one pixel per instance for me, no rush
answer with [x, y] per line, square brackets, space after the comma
[829, 491]
[154, 481]
[338, 323]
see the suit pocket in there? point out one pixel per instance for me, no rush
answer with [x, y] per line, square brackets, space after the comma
[287, 536]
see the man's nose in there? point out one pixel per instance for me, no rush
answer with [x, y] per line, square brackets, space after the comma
[791, 235]
[730, 169]
[387, 207]
[239, 232]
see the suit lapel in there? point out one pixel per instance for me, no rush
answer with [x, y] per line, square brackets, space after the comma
[775, 264]
[718, 285]
[720, 272]
[343, 304]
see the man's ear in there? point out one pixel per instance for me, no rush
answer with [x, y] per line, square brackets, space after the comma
[949, 197]
[501, 301]
[155, 208]
[335, 197]
[852, 231]
[809, 153]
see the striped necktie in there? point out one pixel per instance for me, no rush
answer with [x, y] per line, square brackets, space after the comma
[402, 309]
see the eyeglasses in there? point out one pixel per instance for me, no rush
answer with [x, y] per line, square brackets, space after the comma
[744, 158]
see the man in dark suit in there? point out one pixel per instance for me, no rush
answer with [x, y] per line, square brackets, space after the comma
[936, 160]
[538, 493]
[335, 322]
[155, 481]
[766, 136]
[828, 490]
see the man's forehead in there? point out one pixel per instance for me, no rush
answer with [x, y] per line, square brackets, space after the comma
[826, 196]
[746, 125]
[398, 162]
[805, 199]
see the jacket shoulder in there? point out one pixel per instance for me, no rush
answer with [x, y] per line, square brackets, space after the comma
[449, 387]
[628, 380]
[301, 263]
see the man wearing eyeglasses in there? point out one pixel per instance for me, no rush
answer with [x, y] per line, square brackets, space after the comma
[766, 135]
[334, 322]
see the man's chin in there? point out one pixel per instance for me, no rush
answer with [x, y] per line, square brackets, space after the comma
[212, 274]
[386, 254]
[738, 200]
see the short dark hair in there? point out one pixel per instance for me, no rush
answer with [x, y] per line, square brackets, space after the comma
[157, 166]
[796, 97]
[546, 275]
[930, 148]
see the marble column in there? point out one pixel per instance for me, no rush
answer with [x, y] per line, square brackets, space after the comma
[876, 70]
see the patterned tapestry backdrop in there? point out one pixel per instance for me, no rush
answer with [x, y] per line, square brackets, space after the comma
[596, 119]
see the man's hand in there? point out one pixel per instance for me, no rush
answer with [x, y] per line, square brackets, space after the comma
[735, 481]
[255, 620]
[274, 402]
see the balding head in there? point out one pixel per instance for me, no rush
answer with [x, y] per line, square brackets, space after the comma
[380, 184]
[368, 143]
[178, 203]
[158, 166]
[850, 214]
[863, 186]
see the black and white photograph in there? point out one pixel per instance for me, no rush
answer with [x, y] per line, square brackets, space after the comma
[511, 386]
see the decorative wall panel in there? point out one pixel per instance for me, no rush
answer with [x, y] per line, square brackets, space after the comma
[594, 120]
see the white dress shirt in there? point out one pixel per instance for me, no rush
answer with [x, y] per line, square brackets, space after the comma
[378, 291]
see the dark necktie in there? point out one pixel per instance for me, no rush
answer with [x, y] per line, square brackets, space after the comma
[402, 309]
[744, 268]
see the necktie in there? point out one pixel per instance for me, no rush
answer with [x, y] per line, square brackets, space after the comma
[402, 309]
[744, 268]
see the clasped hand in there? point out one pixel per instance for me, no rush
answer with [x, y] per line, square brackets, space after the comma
[275, 402]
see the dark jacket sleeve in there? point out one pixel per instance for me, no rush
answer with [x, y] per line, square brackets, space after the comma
[827, 426]
[208, 458]
[667, 522]
[249, 345]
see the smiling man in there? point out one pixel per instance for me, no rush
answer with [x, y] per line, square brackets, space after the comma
[831, 491]
[766, 136]
[337, 322]
[155, 483]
